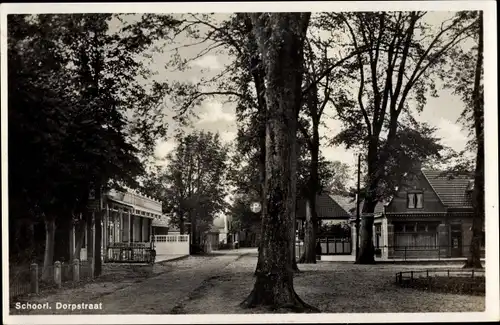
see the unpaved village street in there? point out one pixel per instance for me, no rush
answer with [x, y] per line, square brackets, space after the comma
[216, 284]
[164, 293]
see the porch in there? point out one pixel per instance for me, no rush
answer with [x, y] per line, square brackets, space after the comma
[423, 235]
[126, 229]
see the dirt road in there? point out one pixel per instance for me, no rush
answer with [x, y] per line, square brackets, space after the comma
[164, 293]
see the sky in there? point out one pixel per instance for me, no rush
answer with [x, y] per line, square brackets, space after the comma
[216, 116]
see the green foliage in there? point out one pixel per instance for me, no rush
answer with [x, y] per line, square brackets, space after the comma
[242, 218]
[193, 184]
[399, 53]
[78, 116]
[338, 230]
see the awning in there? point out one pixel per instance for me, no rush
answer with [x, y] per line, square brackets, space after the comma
[120, 202]
[141, 212]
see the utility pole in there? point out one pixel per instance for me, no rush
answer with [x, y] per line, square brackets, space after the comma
[357, 209]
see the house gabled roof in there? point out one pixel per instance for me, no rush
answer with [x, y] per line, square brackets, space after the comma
[452, 190]
[326, 207]
[379, 208]
[346, 202]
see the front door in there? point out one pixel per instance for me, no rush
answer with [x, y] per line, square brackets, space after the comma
[456, 240]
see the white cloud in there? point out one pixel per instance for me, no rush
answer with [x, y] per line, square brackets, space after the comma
[228, 136]
[208, 62]
[451, 134]
[213, 113]
[163, 148]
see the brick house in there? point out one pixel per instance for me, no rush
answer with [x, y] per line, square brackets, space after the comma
[429, 218]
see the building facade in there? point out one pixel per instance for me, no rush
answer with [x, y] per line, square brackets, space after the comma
[127, 220]
[429, 218]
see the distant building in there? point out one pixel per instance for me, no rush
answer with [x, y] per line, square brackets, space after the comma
[331, 210]
[221, 223]
[161, 225]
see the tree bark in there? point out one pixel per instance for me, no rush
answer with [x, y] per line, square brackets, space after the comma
[97, 242]
[366, 249]
[48, 256]
[280, 38]
[259, 86]
[295, 267]
[310, 231]
[181, 223]
[90, 235]
[311, 226]
[79, 235]
[474, 259]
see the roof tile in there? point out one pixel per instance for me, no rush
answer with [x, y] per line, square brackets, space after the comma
[451, 189]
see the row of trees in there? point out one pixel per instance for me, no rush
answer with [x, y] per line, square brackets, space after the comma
[388, 64]
[79, 119]
[193, 185]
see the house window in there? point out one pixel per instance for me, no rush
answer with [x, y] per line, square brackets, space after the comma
[399, 227]
[415, 200]
[421, 227]
[378, 235]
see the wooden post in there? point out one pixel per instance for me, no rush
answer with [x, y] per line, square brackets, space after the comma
[472, 273]
[411, 274]
[76, 270]
[130, 229]
[34, 278]
[91, 265]
[151, 230]
[121, 229]
[105, 232]
[57, 274]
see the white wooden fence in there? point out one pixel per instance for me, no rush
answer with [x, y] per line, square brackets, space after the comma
[171, 244]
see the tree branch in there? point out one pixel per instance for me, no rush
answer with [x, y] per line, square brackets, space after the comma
[362, 78]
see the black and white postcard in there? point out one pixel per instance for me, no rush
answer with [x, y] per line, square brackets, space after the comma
[244, 162]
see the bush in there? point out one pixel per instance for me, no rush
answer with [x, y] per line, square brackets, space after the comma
[456, 285]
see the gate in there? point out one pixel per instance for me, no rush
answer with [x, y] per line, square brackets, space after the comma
[335, 246]
[171, 244]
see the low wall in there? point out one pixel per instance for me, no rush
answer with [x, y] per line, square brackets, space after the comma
[171, 244]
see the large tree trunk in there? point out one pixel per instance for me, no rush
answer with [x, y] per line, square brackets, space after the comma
[259, 84]
[48, 256]
[295, 267]
[474, 259]
[181, 223]
[90, 235]
[311, 226]
[97, 242]
[310, 231]
[280, 37]
[79, 236]
[366, 249]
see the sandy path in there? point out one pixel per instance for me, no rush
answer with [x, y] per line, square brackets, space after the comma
[163, 293]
